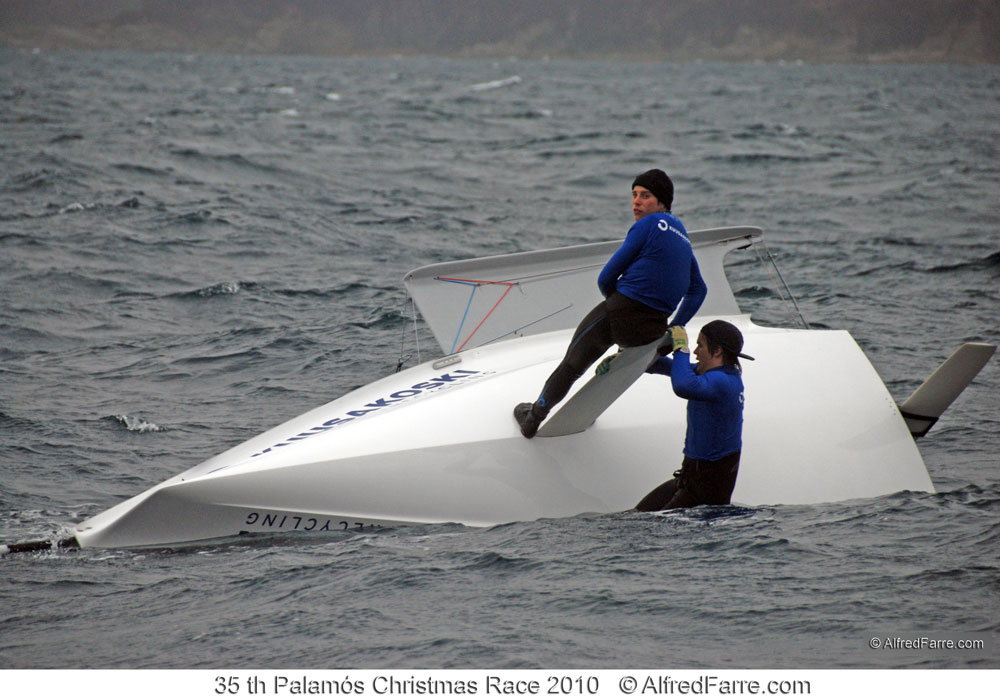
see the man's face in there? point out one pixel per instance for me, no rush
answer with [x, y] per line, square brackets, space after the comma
[644, 202]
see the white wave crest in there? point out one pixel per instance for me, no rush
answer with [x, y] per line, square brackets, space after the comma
[494, 84]
[135, 424]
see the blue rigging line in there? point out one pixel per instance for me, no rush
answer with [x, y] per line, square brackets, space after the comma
[461, 323]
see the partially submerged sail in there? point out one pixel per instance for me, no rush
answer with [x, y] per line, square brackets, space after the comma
[469, 303]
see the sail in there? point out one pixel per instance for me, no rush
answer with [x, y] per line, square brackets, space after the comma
[474, 302]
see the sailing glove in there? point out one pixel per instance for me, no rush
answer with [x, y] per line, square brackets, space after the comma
[678, 339]
[604, 365]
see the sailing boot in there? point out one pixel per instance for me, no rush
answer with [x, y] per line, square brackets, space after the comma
[529, 416]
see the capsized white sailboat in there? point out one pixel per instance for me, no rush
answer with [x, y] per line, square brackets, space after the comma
[437, 443]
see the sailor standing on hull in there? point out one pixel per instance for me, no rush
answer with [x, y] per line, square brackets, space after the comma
[714, 442]
[644, 281]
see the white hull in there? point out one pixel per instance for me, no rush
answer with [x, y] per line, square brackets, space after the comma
[437, 443]
[453, 453]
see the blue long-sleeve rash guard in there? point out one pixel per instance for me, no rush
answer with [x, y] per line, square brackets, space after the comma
[655, 265]
[715, 406]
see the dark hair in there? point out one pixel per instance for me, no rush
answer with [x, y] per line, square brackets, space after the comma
[728, 356]
[722, 335]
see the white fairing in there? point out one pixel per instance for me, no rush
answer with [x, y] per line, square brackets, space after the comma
[433, 445]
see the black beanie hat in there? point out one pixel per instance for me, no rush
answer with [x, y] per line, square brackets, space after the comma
[657, 182]
[725, 335]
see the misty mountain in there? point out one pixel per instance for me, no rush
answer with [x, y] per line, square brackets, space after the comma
[814, 30]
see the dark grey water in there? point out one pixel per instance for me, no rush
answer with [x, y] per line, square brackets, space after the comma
[195, 248]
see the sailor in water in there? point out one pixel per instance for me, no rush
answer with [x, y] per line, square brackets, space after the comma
[644, 281]
[714, 390]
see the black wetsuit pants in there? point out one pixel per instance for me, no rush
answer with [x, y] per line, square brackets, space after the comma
[618, 320]
[700, 482]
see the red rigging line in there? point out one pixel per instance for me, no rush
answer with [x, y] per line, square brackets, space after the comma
[474, 284]
[509, 284]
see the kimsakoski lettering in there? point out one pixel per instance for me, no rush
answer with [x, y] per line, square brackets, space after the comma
[436, 383]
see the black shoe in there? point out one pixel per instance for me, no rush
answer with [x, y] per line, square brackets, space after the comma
[529, 417]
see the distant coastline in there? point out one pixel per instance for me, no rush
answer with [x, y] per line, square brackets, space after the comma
[820, 31]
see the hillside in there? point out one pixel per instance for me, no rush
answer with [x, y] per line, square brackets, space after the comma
[813, 30]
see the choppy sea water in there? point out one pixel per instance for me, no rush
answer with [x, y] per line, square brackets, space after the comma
[196, 248]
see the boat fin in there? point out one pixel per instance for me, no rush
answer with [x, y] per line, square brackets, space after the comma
[922, 410]
[582, 408]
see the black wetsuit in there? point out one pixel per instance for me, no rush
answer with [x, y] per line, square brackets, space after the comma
[650, 276]
[699, 482]
[616, 320]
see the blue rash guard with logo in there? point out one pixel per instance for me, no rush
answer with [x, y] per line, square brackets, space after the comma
[715, 406]
[656, 266]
